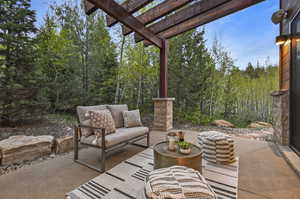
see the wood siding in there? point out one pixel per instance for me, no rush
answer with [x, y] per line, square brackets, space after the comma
[285, 67]
[285, 50]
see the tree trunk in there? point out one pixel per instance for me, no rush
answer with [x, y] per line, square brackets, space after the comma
[117, 94]
[139, 92]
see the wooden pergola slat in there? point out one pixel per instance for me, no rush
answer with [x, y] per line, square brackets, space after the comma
[131, 6]
[183, 15]
[118, 12]
[157, 12]
[211, 15]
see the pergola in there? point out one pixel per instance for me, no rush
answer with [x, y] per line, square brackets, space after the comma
[164, 21]
[159, 23]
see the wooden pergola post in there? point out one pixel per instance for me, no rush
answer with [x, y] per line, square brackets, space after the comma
[163, 106]
[163, 90]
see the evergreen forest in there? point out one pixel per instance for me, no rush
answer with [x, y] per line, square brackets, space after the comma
[73, 59]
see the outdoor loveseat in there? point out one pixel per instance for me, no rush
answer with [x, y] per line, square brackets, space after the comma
[107, 143]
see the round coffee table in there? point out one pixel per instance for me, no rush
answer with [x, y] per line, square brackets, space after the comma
[164, 158]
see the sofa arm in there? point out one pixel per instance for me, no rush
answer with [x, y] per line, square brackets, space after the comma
[78, 133]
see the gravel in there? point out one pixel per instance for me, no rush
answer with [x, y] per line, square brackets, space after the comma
[16, 166]
[263, 134]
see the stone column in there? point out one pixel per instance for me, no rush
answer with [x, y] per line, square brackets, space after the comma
[163, 114]
[281, 117]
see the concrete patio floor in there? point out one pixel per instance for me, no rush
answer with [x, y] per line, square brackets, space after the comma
[263, 173]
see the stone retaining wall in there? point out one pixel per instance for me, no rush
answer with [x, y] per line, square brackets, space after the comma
[17, 149]
[63, 144]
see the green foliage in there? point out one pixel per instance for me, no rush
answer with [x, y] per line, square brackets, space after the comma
[184, 145]
[138, 75]
[207, 85]
[17, 69]
[72, 61]
[196, 118]
[190, 69]
[64, 118]
[75, 51]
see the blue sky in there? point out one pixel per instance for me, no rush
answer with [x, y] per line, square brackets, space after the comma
[248, 34]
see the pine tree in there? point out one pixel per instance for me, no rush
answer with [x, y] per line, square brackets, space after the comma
[17, 30]
[75, 51]
[103, 64]
[191, 68]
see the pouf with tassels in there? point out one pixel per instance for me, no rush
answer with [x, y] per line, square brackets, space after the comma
[217, 147]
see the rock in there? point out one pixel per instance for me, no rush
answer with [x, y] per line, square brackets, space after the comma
[64, 144]
[267, 125]
[52, 155]
[17, 149]
[222, 123]
[259, 125]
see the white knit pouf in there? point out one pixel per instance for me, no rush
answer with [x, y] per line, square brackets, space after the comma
[177, 182]
[217, 147]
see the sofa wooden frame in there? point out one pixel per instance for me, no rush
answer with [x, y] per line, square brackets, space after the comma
[104, 149]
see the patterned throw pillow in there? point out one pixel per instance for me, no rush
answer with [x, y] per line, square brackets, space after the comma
[87, 131]
[82, 111]
[102, 119]
[84, 117]
[132, 118]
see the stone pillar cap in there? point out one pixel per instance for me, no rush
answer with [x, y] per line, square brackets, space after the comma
[279, 92]
[164, 99]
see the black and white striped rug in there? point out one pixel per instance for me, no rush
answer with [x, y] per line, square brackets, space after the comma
[126, 180]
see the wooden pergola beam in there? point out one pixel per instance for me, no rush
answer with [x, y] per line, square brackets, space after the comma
[131, 6]
[157, 12]
[211, 15]
[183, 15]
[121, 14]
[89, 8]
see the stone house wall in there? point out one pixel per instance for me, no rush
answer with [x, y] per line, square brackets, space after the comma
[281, 117]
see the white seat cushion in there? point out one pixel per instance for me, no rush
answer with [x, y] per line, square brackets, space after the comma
[120, 135]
